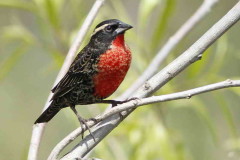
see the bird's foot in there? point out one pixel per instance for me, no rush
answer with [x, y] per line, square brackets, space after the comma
[130, 99]
[115, 103]
[93, 119]
[84, 122]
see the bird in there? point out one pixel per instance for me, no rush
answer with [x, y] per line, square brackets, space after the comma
[95, 73]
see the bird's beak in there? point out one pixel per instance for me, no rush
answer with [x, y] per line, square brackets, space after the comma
[122, 27]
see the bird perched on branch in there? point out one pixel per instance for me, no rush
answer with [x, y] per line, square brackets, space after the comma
[96, 72]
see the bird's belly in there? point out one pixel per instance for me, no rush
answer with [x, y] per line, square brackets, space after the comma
[112, 68]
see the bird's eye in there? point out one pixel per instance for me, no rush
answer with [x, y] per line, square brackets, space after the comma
[109, 28]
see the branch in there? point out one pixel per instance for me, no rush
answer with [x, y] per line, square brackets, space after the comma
[140, 102]
[39, 128]
[170, 97]
[191, 55]
[170, 45]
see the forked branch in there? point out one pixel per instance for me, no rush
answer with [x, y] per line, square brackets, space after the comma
[191, 55]
[140, 102]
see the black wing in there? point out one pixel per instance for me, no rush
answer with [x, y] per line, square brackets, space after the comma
[79, 69]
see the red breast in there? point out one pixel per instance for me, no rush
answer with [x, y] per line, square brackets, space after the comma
[112, 68]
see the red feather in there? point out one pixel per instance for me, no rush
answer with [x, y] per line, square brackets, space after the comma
[112, 68]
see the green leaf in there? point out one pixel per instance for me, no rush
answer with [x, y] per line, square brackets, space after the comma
[51, 9]
[146, 7]
[196, 70]
[226, 114]
[120, 10]
[11, 61]
[162, 23]
[17, 4]
[57, 56]
[198, 106]
[204, 115]
[17, 32]
[218, 59]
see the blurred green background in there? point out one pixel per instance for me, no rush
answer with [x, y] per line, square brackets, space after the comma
[35, 36]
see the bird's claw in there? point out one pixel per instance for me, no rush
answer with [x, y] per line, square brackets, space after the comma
[93, 119]
[130, 99]
[84, 122]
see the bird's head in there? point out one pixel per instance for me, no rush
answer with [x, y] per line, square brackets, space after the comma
[108, 30]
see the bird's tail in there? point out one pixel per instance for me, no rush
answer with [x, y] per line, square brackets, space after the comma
[48, 114]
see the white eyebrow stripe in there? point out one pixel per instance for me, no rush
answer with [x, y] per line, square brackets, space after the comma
[100, 28]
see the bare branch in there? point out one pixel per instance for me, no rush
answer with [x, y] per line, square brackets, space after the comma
[169, 97]
[140, 102]
[38, 128]
[191, 55]
[170, 45]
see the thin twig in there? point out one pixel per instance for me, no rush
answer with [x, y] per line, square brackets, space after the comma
[145, 101]
[172, 42]
[191, 55]
[39, 128]
[170, 97]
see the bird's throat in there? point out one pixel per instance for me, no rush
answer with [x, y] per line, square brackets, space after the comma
[112, 68]
[119, 41]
